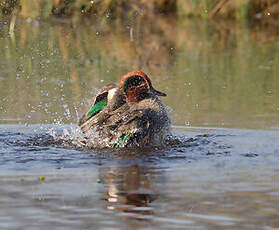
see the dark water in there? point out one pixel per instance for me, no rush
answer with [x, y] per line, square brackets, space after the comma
[220, 179]
[222, 85]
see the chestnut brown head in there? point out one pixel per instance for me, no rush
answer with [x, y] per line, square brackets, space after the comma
[137, 86]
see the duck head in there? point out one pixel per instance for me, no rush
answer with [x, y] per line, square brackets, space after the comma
[137, 86]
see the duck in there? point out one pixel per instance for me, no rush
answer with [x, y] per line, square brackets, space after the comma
[109, 97]
[132, 115]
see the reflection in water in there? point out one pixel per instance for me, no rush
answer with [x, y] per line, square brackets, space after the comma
[139, 196]
[227, 180]
[131, 189]
[215, 74]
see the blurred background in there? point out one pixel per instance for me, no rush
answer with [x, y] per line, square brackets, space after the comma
[217, 60]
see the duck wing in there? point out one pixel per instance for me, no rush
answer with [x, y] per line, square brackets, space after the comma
[98, 103]
[128, 126]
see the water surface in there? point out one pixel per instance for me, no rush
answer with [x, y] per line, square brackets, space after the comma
[222, 75]
[223, 98]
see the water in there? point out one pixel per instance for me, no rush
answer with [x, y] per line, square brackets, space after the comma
[222, 87]
[222, 179]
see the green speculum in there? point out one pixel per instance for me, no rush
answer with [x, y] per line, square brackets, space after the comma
[97, 108]
[122, 140]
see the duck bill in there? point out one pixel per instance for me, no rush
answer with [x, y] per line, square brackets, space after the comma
[158, 93]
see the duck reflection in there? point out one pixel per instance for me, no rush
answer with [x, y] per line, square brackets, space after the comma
[131, 189]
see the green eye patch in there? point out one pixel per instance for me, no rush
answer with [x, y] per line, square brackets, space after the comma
[132, 82]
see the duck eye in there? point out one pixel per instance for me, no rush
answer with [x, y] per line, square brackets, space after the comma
[133, 81]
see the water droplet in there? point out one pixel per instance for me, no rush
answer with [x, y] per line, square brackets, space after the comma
[20, 68]
[169, 109]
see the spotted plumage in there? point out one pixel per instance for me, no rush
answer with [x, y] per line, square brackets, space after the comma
[133, 117]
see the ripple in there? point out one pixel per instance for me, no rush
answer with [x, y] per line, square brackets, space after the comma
[173, 220]
[211, 217]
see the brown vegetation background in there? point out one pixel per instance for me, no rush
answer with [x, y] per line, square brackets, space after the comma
[232, 9]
